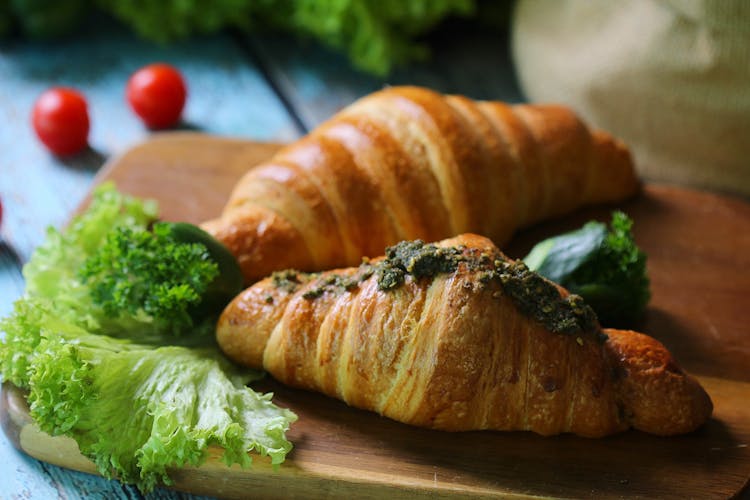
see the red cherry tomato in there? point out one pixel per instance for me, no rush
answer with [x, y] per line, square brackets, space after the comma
[157, 94]
[61, 120]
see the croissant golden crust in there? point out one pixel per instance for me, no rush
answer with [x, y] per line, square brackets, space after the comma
[456, 352]
[407, 163]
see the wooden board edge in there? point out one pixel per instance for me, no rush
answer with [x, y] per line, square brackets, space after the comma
[63, 451]
[158, 140]
[294, 478]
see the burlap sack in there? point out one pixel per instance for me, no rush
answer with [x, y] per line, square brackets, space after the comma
[669, 77]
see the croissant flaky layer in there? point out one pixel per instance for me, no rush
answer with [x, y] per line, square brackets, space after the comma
[407, 163]
[455, 336]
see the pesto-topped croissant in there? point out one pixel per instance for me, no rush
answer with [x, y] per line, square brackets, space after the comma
[407, 163]
[455, 336]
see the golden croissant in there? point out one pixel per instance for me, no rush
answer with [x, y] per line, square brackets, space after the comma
[409, 163]
[455, 336]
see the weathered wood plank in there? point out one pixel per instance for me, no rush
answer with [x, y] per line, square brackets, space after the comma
[227, 97]
[318, 82]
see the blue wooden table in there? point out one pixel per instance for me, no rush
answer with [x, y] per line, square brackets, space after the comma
[256, 88]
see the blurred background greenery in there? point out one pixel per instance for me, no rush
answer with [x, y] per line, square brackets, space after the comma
[376, 35]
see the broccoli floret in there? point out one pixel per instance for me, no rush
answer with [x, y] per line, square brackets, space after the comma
[603, 265]
[148, 274]
[117, 271]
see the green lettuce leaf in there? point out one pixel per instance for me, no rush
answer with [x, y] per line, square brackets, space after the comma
[135, 408]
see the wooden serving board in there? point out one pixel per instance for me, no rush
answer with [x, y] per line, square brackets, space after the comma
[699, 263]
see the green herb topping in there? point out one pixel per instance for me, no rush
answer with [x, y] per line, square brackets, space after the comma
[417, 259]
[540, 299]
[338, 282]
[289, 280]
[530, 292]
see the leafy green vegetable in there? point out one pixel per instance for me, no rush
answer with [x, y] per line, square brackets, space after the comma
[603, 265]
[117, 271]
[148, 274]
[6, 19]
[134, 408]
[376, 34]
[229, 281]
[52, 274]
[45, 19]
